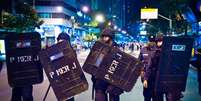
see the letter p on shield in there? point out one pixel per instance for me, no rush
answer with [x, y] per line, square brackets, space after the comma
[51, 74]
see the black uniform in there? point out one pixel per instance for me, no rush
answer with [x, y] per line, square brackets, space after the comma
[65, 36]
[22, 93]
[150, 56]
[101, 87]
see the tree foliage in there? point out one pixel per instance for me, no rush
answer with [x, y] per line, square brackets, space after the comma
[25, 19]
[90, 37]
[172, 9]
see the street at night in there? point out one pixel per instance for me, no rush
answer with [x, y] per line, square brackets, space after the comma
[100, 50]
[191, 93]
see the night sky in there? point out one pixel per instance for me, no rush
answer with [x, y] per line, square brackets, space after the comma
[194, 5]
[6, 5]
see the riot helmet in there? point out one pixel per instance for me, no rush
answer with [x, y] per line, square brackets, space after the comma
[63, 36]
[159, 39]
[108, 32]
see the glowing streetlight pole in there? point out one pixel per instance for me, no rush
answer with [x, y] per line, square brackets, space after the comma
[123, 31]
[170, 20]
[100, 18]
[115, 27]
[85, 9]
[59, 9]
[109, 23]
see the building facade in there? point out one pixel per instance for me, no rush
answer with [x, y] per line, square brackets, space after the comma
[58, 16]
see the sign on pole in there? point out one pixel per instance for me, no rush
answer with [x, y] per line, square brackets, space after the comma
[149, 13]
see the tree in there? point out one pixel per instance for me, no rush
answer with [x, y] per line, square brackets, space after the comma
[25, 19]
[174, 9]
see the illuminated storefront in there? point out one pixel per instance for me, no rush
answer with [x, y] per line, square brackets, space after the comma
[58, 16]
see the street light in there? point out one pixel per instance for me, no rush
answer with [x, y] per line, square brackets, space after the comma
[114, 16]
[123, 31]
[59, 9]
[119, 29]
[109, 23]
[100, 18]
[85, 9]
[115, 27]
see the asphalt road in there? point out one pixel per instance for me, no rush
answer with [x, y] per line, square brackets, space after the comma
[191, 93]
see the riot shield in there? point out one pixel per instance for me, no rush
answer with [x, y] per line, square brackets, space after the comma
[113, 66]
[23, 64]
[63, 70]
[174, 64]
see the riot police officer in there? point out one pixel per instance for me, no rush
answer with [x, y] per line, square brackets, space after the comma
[22, 93]
[101, 87]
[64, 36]
[175, 95]
[197, 64]
[150, 75]
[150, 55]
